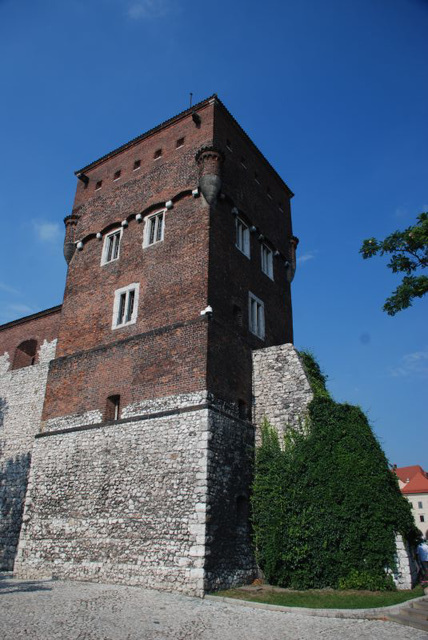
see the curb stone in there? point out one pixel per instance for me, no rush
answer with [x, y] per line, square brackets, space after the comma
[377, 613]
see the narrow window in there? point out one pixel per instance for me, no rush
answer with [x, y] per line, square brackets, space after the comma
[137, 165]
[237, 315]
[419, 505]
[242, 409]
[179, 143]
[256, 177]
[157, 154]
[256, 316]
[154, 228]
[268, 193]
[242, 237]
[117, 175]
[125, 306]
[267, 260]
[98, 185]
[112, 411]
[25, 354]
[243, 163]
[422, 518]
[111, 246]
[229, 145]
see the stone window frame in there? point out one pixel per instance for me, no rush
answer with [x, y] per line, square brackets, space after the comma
[242, 241]
[256, 316]
[266, 260]
[125, 306]
[110, 243]
[151, 222]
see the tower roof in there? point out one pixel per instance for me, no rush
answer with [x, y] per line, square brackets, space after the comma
[183, 114]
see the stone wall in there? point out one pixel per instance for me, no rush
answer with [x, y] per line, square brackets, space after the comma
[22, 392]
[280, 387]
[406, 574]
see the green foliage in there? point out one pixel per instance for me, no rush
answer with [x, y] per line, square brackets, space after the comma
[317, 379]
[364, 580]
[326, 504]
[409, 254]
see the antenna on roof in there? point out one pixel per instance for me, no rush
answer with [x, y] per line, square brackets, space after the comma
[191, 97]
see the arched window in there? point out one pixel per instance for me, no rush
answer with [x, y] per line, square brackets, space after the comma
[25, 354]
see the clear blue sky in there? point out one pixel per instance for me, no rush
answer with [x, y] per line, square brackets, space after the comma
[334, 93]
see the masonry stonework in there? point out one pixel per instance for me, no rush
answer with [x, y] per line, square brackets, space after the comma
[21, 402]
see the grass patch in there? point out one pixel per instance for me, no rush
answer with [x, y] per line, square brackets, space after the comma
[322, 598]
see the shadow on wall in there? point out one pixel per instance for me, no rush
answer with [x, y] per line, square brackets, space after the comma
[13, 486]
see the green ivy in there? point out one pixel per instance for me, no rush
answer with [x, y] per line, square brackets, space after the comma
[326, 506]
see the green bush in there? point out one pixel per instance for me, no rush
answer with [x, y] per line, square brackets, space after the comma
[326, 504]
[364, 580]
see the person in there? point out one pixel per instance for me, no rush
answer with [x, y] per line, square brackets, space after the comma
[423, 558]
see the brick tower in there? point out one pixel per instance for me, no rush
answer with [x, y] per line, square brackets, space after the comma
[180, 257]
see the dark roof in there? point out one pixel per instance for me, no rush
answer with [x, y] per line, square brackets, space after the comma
[33, 316]
[170, 121]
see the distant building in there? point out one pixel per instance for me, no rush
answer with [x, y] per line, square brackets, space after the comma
[413, 483]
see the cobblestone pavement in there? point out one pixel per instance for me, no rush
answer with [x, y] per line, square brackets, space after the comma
[50, 610]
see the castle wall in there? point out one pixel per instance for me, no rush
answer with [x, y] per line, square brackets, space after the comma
[22, 393]
[280, 387]
[128, 502]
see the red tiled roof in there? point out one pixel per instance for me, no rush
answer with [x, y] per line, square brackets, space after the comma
[416, 477]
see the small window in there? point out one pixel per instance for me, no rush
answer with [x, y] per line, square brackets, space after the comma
[179, 143]
[267, 261]
[421, 518]
[256, 177]
[137, 165]
[111, 247]
[25, 354]
[280, 207]
[112, 411]
[419, 505]
[242, 237]
[237, 315]
[98, 185]
[117, 175]
[157, 154]
[256, 316]
[242, 409]
[229, 145]
[125, 306]
[268, 193]
[243, 163]
[154, 228]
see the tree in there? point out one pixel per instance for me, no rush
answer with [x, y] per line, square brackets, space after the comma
[409, 255]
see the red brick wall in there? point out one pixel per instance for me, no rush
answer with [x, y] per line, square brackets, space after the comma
[39, 327]
[157, 364]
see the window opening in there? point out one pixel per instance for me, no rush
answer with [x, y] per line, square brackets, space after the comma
[243, 163]
[229, 145]
[98, 185]
[137, 165]
[237, 314]
[154, 229]
[419, 505]
[242, 237]
[256, 312]
[117, 175]
[112, 410]
[267, 260]
[25, 354]
[422, 518]
[157, 154]
[111, 246]
[179, 143]
[125, 307]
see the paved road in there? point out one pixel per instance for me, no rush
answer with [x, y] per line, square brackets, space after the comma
[54, 610]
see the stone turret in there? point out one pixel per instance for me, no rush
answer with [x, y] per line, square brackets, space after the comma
[69, 240]
[210, 162]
